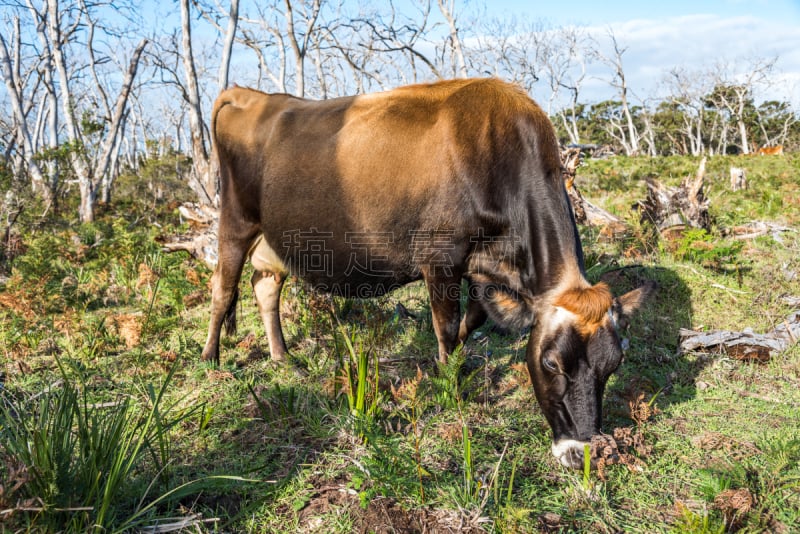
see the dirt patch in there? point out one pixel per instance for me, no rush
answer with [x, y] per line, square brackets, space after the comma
[382, 515]
[386, 516]
[195, 298]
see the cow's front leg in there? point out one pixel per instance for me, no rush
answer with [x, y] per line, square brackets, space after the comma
[224, 290]
[474, 316]
[267, 289]
[445, 294]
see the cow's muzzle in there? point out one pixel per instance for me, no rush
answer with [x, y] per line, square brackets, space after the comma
[569, 452]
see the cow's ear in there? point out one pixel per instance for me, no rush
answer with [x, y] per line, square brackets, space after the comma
[625, 305]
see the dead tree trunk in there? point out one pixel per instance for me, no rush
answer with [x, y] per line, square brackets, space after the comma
[738, 179]
[586, 213]
[448, 12]
[79, 165]
[672, 209]
[37, 177]
[204, 182]
[103, 175]
[201, 240]
[745, 345]
[227, 47]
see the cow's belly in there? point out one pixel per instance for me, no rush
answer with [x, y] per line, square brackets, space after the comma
[362, 265]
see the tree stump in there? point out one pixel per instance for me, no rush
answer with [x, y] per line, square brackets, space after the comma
[672, 209]
[201, 240]
[738, 179]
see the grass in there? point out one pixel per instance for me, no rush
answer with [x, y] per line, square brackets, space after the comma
[100, 336]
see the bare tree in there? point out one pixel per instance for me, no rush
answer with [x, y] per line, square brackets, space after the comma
[203, 180]
[89, 177]
[52, 164]
[734, 88]
[393, 35]
[648, 138]
[227, 47]
[447, 8]
[299, 39]
[687, 91]
[509, 49]
[774, 121]
[12, 86]
[564, 57]
[628, 135]
[109, 147]
[355, 65]
[262, 36]
[79, 165]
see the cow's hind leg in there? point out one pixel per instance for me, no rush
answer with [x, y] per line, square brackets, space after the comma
[474, 316]
[267, 289]
[445, 294]
[224, 289]
[270, 272]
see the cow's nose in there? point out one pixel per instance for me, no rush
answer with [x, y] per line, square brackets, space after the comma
[569, 452]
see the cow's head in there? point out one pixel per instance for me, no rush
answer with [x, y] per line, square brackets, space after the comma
[573, 349]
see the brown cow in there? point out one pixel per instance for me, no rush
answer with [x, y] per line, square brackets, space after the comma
[440, 182]
[776, 150]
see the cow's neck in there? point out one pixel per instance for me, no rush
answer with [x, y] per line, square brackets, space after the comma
[556, 252]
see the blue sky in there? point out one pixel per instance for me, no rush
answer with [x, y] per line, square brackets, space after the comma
[587, 12]
[682, 33]
[660, 35]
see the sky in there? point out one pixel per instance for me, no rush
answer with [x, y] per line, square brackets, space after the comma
[659, 36]
[682, 33]
[587, 12]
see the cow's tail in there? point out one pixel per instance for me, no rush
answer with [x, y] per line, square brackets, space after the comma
[223, 100]
[230, 314]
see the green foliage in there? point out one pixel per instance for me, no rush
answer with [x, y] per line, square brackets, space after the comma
[454, 383]
[83, 457]
[60, 154]
[771, 478]
[155, 187]
[388, 468]
[361, 386]
[412, 400]
[690, 522]
[699, 246]
[6, 176]
[433, 447]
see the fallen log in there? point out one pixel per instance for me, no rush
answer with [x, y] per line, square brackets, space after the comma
[755, 229]
[745, 345]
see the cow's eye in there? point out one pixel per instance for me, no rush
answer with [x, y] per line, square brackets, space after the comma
[549, 363]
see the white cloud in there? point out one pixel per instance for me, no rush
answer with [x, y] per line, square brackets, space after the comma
[697, 42]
